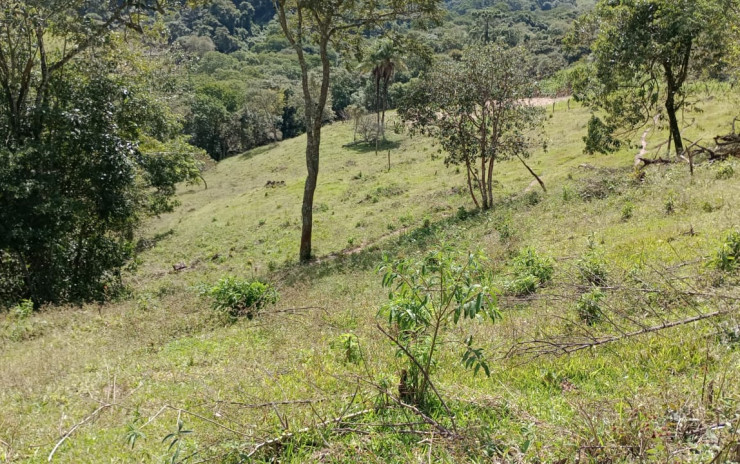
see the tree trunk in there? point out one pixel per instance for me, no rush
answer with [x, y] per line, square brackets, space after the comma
[670, 107]
[312, 165]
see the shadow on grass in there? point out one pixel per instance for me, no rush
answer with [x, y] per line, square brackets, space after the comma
[257, 151]
[365, 147]
[412, 240]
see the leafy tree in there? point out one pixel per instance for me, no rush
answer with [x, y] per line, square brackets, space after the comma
[644, 53]
[74, 180]
[476, 108]
[427, 299]
[336, 24]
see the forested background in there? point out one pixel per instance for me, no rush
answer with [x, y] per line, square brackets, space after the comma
[238, 84]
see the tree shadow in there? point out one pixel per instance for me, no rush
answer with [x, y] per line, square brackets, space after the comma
[369, 147]
[257, 151]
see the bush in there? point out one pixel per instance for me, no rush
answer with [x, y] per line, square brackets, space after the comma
[725, 172]
[592, 268]
[627, 211]
[728, 256]
[348, 346]
[22, 310]
[589, 308]
[530, 272]
[236, 298]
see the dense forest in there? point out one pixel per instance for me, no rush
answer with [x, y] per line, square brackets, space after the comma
[370, 231]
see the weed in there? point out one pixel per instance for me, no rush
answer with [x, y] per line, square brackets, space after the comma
[589, 306]
[728, 256]
[235, 297]
[22, 310]
[349, 347]
[592, 267]
[533, 198]
[568, 193]
[530, 272]
[669, 206]
[725, 171]
[627, 211]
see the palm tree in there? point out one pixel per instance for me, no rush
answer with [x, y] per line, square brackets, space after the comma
[383, 62]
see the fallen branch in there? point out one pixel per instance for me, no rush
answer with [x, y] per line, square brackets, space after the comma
[649, 161]
[542, 184]
[287, 435]
[540, 347]
[76, 426]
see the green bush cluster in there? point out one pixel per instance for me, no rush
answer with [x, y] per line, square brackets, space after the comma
[728, 256]
[589, 306]
[530, 272]
[236, 298]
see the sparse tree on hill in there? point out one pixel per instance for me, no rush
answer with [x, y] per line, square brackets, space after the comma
[476, 108]
[337, 25]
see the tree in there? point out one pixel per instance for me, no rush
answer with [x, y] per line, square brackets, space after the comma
[74, 178]
[384, 60]
[644, 53]
[477, 110]
[336, 24]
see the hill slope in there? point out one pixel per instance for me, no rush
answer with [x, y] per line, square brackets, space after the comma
[100, 375]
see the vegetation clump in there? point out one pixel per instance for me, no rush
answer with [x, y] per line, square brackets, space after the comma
[531, 271]
[592, 268]
[589, 306]
[728, 256]
[427, 298]
[241, 298]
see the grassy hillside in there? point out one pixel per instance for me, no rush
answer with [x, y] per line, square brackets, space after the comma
[120, 376]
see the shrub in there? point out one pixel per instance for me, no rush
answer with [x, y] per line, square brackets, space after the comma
[670, 205]
[592, 268]
[348, 346]
[627, 211]
[427, 298]
[530, 272]
[22, 310]
[725, 171]
[235, 297]
[728, 256]
[589, 307]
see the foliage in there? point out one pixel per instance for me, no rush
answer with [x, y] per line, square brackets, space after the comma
[530, 272]
[475, 108]
[427, 297]
[592, 268]
[599, 137]
[22, 310]
[176, 441]
[628, 210]
[589, 306]
[728, 256]
[644, 53]
[349, 347]
[236, 298]
[74, 180]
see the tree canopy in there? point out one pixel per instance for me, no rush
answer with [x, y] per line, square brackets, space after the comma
[477, 109]
[643, 55]
[88, 150]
